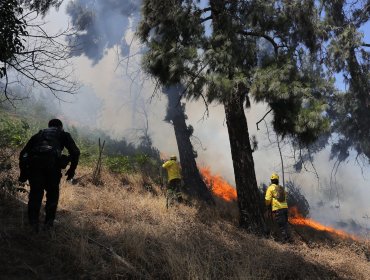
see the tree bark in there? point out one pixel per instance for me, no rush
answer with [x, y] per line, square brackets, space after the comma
[194, 184]
[250, 208]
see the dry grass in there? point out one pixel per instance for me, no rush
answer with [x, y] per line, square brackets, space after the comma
[144, 240]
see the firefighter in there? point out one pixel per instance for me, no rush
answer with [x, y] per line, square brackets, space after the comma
[174, 179]
[41, 162]
[276, 198]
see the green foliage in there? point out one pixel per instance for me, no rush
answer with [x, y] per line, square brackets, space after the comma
[232, 62]
[129, 164]
[175, 35]
[13, 27]
[29, 50]
[14, 133]
[340, 48]
[120, 164]
[297, 97]
[119, 156]
[349, 55]
[280, 52]
[42, 6]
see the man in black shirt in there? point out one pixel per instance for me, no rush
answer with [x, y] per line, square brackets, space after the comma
[41, 162]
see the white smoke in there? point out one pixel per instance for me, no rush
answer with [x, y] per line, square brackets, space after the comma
[116, 100]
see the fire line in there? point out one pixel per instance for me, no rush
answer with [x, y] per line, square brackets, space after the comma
[218, 185]
[222, 189]
[296, 218]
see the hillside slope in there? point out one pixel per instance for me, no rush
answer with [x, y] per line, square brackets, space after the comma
[122, 230]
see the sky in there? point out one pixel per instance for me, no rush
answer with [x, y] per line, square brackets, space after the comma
[111, 101]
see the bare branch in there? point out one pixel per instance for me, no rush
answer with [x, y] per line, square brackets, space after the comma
[191, 82]
[199, 142]
[268, 132]
[43, 61]
[258, 34]
[269, 111]
[206, 112]
[205, 19]
[281, 158]
[314, 168]
[205, 10]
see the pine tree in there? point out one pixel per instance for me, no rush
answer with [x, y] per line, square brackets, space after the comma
[194, 184]
[231, 51]
[349, 56]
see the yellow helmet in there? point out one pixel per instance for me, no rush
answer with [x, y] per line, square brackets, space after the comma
[173, 157]
[274, 176]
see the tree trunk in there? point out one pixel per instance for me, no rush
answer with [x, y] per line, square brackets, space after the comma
[250, 208]
[194, 184]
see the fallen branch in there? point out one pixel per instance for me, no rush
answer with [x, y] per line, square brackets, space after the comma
[116, 256]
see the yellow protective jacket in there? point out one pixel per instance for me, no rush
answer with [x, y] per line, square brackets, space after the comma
[270, 198]
[173, 169]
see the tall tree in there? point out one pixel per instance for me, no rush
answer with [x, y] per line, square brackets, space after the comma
[219, 53]
[194, 183]
[349, 55]
[96, 34]
[345, 53]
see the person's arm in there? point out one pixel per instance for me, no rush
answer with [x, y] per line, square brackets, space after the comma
[74, 153]
[23, 165]
[27, 148]
[268, 196]
[166, 164]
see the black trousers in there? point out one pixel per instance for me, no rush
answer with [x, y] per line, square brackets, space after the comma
[281, 218]
[175, 185]
[43, 180]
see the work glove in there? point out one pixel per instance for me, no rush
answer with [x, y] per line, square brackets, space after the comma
[70, 174]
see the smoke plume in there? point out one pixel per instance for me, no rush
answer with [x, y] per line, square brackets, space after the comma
[118, 100]
[101, 25]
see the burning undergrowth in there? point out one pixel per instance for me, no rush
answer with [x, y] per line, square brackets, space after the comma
[219, 186]
[120, 231]
[296, 219]
[298, 212]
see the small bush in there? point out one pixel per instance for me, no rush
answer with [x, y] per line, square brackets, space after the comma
[14, 133]
[119, 164]
[297, 199]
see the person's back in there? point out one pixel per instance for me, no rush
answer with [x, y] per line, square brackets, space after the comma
[41, 162]
[45, 149]
[174, 179]
[173, 169]
[276, 197]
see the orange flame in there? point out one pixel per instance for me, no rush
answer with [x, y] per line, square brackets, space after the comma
[296, 218]
[218, 185]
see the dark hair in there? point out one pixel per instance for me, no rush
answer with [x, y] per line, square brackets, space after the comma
[275, 181]
[55, 123]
